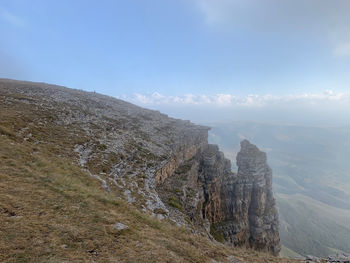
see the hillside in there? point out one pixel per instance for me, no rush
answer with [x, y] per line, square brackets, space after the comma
[321, 229]
[79, 181]
[311, 179]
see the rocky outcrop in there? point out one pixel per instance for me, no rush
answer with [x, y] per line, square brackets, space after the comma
[185, 152]
[239, 207]
[339, 258]
[256, 177]
[127, 148]
[161, 165]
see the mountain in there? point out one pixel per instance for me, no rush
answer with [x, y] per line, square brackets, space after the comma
[86, 177]
[239, 208]
[311, 180]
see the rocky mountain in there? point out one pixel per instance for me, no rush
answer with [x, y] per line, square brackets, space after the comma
[237, 208]
[311, 181]
[160, 166]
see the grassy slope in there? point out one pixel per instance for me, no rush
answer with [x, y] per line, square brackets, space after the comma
[288, 253]
[53, 211]
[48, 204]
[309, 161]
[305, 221]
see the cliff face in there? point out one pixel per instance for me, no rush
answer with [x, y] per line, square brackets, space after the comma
[160, 165]
[255, 179]
[243, 210]
[235, 208]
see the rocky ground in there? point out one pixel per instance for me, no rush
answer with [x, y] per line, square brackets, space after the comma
[337, 258]
[149, 165]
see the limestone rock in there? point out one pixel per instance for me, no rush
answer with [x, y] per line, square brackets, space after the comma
[159, 164]
[241, 206]
[120, 226]
[339, 258]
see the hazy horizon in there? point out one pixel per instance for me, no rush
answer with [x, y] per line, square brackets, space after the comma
[274, 72]
[319, 113]
[200, 60]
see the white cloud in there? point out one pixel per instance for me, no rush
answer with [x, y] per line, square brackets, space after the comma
[314, 19]
[142, 99]
[11, 18]
[223, 11]
[342, 49]
[229, 100]
[223, 99]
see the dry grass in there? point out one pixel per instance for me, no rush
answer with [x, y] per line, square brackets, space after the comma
[52, 211]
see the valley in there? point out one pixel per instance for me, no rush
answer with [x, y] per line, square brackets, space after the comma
[311, 180]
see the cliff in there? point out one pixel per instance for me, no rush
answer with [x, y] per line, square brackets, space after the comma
[235, 208]
[158, 165]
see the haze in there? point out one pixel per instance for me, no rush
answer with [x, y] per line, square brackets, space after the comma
[275, 72]
[201, 60]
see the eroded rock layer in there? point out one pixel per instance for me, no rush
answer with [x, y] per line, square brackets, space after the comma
[248, 215]
[238, 208]
[161, 165]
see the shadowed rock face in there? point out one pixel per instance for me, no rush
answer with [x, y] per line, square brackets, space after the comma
[241, 206]
[255, 179]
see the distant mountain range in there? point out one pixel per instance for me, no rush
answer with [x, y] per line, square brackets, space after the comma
[311, 180]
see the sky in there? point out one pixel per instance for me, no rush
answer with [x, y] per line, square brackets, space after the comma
[202, 60]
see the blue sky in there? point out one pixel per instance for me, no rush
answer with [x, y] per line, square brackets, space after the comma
[172, 49]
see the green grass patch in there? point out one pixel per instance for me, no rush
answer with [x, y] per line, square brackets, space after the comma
[174, 202]
[217, 234]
